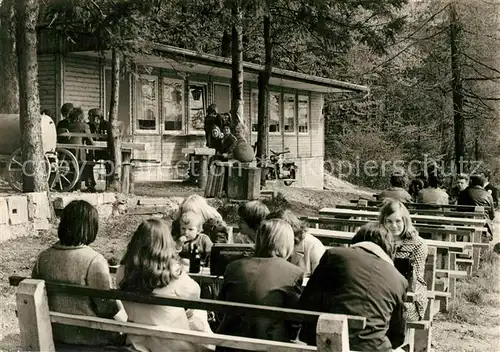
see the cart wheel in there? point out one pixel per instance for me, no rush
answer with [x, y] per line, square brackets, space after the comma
[67, 171]
[15, 169]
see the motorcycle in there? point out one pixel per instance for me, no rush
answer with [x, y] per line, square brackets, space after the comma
[280, 169]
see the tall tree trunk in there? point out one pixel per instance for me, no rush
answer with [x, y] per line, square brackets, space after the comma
[9, 89]
[226, 44]
[114, 134]
[263, 101]
[237, 63]
[34, 171]
[458, 118]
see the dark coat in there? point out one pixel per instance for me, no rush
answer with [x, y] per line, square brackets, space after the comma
[477, 196]
[262, 281]
[494, 193]
[356, 281]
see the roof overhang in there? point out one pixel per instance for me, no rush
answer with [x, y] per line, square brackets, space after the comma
[187, 61]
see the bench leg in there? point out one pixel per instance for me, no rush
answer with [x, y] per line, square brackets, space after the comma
[423, 338]
[34, 317]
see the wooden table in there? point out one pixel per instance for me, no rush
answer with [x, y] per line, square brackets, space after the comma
[202, 155]
[126, 148]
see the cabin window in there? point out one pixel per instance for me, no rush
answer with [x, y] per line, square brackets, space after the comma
[147, 103]
[289, 113]
[222, 97]
[197, 106]
[303, 116]
[275, 113]
[173, 104]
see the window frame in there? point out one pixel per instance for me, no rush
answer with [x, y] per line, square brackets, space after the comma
[256, 91]
[308, 114]
[182, 131]
[188, 128]
[138, 130]
[295, 114]
[280, 113]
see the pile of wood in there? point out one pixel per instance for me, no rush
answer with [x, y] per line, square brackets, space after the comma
[215, 183]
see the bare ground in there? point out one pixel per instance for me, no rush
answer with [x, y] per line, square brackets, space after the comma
[476, 329]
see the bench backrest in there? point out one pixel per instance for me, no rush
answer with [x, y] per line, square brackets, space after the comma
[378, 203]
[478, 214]
[422, 228]
[416, 218]
[36, 332]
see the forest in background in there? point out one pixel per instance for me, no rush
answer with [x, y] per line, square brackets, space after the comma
[432, 66]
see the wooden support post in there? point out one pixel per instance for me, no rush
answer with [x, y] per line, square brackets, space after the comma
[476, 251]
[332, 334]
[202, 182]
[34, 317]
[126, 171]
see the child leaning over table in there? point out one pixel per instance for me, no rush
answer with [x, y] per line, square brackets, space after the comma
[191, 235]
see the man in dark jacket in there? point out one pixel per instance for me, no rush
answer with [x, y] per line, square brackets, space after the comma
[476, 195]
[491, 189]
[360, 280]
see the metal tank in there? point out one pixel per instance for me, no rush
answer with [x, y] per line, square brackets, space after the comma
[11, 138]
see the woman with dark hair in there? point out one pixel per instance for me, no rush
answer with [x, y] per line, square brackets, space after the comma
[266, 279]
[308, 250]
[151, 265]
[433, 194]
[396, 190]
[72, 261]
[360, 280]
[409, 246]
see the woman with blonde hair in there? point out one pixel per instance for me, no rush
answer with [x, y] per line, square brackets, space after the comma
[308, 249]
[266, 279]
[409, 246]
[151, 266]
[212, 223]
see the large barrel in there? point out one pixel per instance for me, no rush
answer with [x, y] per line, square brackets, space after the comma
[10, 134]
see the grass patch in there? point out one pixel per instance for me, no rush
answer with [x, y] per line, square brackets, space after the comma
[477, 293]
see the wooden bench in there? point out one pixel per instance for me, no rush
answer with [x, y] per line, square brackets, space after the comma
[35, 320]
[478, 212]
[452, 207]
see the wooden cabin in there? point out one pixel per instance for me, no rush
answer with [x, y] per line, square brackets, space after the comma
[165, 103]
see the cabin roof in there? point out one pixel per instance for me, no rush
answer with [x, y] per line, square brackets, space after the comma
[184, 60]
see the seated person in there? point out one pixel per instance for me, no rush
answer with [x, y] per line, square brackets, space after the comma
[151, 266]
[433, 194]
[72, 261]
[461, 183]
[495, 193]
[213, 127]
[410, 247]
[266, 279]
[251, 215]
[308, 249]
[213, 224]
[360, 280]
[415, 187]
[396, 191]
[476, 195]
[63, 124]
[191, 235]
[242, 151]
[228, 144]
